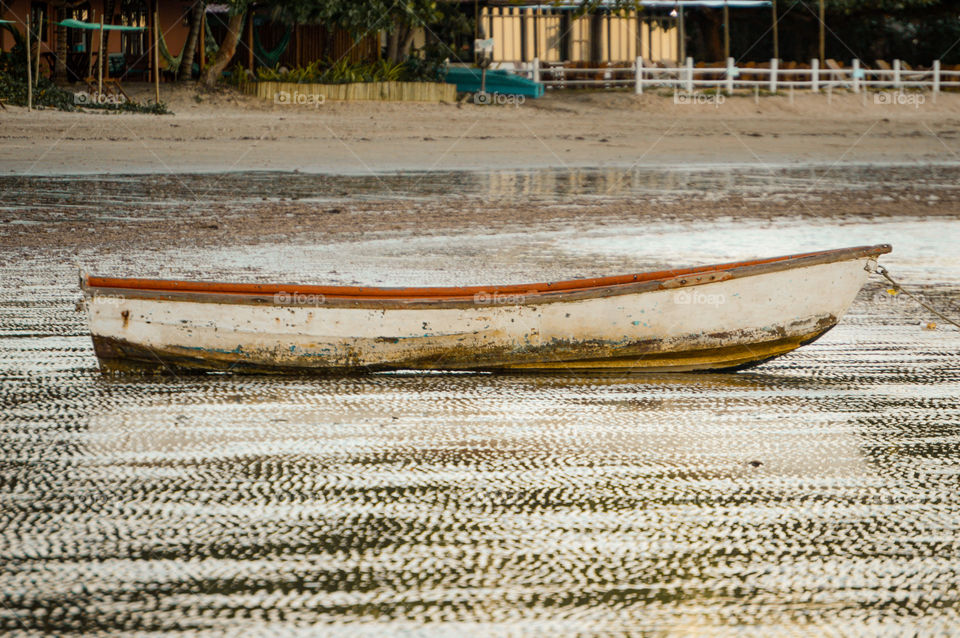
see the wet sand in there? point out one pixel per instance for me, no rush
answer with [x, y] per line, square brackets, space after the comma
[160, 211]
[816, 494]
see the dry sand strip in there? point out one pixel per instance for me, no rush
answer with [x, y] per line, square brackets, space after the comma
[225, 131]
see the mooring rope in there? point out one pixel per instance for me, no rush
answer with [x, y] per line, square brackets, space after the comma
[883, 272]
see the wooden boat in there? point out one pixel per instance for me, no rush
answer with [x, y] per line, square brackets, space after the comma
[719, 317]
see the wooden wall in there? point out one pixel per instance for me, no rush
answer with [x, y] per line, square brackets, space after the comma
[520, 35]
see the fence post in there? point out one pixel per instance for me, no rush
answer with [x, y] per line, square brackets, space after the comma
[774, 69]
[856, 75]
[689, 75]
[815, 75]
[729, 76]
[536, 69]
[638, 70]
[896, 74]
[936, 76]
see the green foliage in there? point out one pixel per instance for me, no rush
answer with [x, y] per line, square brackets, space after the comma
[359, 17]
[236, 76]
[454, 32]
[427, 65]
[46, 94]
[388, 72]
[343, 71]
[860, 6]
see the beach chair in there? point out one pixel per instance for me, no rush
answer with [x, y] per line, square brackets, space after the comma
[882, 65]
[111, 89]
[910, 74]
[833, 65]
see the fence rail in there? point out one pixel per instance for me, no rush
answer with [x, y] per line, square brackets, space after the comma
[729, 78]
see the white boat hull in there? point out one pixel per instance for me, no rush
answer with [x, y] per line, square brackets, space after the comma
[721, 323]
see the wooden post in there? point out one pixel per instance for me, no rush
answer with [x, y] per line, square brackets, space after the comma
[936, 78]
[815, 75]
[536, 34]
[203, 40]
[729, 74]
[88, 47]
[638, 81]
[726, 29]
[856, 75]
[36, 75]
[689, 75]
[156, 56]
[29, 67]
[536, 69]
[774, 69]
[823, 37]
[250, 41]
[776, 30]
[682, 34]
[100, 62]
[896, 74]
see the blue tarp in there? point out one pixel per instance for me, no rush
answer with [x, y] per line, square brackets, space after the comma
[94, 26]
[503, 82]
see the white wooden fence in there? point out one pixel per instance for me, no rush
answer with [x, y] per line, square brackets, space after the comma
[689, 78]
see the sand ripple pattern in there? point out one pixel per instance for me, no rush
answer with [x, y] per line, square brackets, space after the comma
[817, 495]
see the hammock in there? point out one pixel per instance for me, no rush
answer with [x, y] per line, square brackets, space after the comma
[173, 63]
[209, 42]
[266, 58]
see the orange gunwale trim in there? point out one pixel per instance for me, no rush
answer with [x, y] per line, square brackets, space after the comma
[451, 292]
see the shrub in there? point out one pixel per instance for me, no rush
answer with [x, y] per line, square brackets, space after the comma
[414, 69]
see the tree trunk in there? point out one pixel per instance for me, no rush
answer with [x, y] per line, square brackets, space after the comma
[406, 42]
[398, 42]
[393, 44]
[185, 71]
[227, 49]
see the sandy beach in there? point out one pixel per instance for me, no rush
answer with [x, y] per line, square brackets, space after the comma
[226, 131]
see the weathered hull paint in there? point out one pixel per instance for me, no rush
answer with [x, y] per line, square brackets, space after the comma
[702, 323]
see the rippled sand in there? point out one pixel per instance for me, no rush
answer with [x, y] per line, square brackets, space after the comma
[818, 494]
